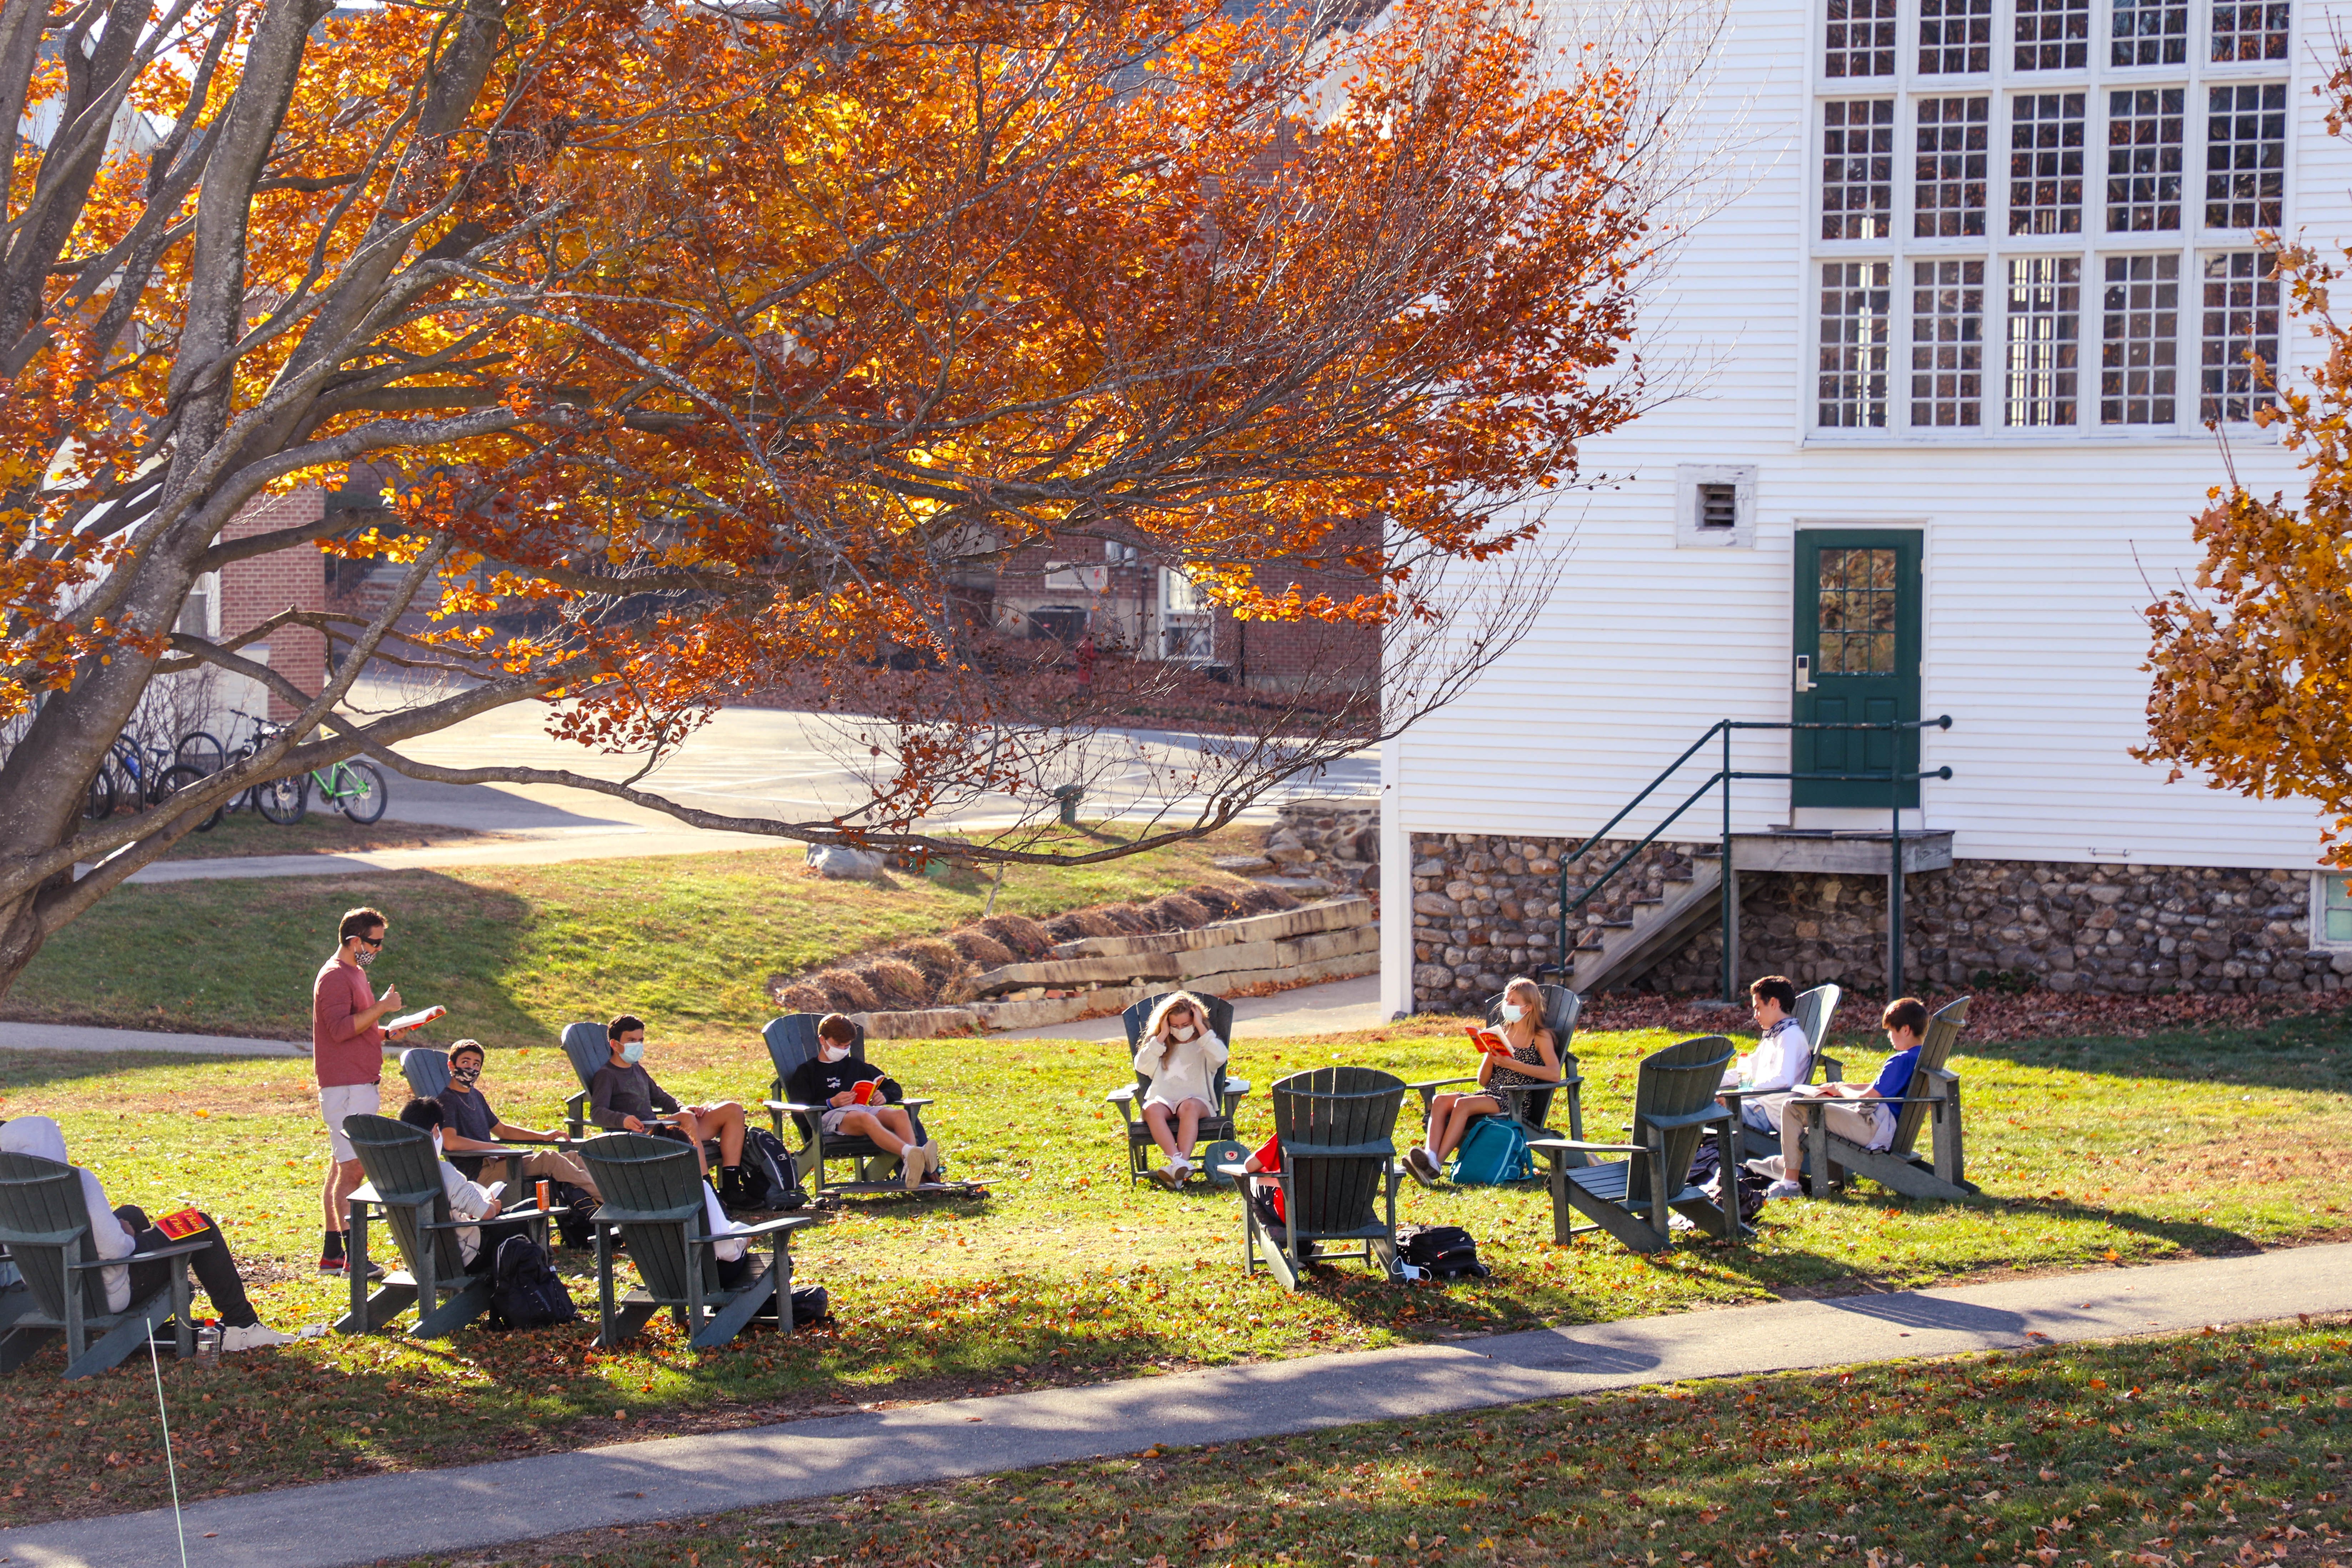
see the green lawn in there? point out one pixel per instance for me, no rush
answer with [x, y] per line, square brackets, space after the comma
[2216, 1449]
[2092, 1153]
[517, 951]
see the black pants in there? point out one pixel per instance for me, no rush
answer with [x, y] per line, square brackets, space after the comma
[215, 1270]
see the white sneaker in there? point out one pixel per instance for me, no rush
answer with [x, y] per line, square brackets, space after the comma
[1784, 1190]
[253, 1336]
[934, 1159]
[1768, 1167]
[912, 1168]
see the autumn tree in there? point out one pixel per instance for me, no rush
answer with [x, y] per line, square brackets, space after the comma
[698, 349]
[2253, 664]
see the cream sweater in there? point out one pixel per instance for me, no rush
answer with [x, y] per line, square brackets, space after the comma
[1180, 1071]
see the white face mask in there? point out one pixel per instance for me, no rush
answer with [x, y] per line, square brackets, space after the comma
[830, 1053]
[1513, 1012]
[1182, 1032]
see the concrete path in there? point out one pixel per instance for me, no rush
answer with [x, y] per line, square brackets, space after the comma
[483, 1506]
[1324, 1009]
[82, 1038]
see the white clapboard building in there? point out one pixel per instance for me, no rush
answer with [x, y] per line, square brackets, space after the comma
[1987, 270]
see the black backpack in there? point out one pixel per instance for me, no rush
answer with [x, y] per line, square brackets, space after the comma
[577, 1225]
[525, 1292]
[770, 1167]
[810, 1306]
[1446, 1251]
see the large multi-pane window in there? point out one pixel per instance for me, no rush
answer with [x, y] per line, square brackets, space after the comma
[1950, 171]
[2139, 340]
[2045, 163]
[2116, 281]
[1855, 339]
[1947, 342]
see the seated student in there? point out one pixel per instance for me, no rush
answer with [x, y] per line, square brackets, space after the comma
[469, 1123]
[623, 1097]
[1783, 1059]
[120, 1232]
[830, 1078]
[1262, 1178]
[1180, 1054]
[1860, 1115]
[468, 1200]
[1534, 1061]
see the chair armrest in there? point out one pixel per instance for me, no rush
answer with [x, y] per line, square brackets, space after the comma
[1122, 1095]
[1832, 1070]
[795, 1106]
[1580, 1145]
[1431, 1084]
[765, 1227]
[177, 1250]
[918, 1102]
[1235, 1172]
[1238, 1085]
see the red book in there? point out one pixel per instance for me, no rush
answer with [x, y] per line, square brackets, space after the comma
[181, 1225]
[863, 1092]
[1489, 1040]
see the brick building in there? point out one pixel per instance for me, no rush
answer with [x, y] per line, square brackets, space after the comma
[244, 594]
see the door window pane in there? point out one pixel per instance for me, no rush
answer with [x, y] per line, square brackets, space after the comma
[1948, 192]
[2044, 306]
[1861, 38]
[2150, 33]
[2245, 155]
[1955, 36]
[2139, 338]
[1857, 596]
[2053, 35]
[2256, 30]
[2241, 320]
[1854, 333]
[2335, 911]
[2144, 159]
[2045, 163]
[1947, 342]
[1858, 169]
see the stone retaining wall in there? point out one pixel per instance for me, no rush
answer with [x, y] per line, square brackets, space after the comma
[1338, 840]
[1484, 907]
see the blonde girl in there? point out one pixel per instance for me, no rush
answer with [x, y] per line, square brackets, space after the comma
[1534, 1062]
[1180, 1055]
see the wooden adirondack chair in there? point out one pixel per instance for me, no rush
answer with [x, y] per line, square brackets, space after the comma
[45, 1225]
[1674, 1105]
[1934, 1098]
[792, 1043]
[1340, 1173]
[588, 1048]
[1129, 1097]
[403, 1183]
[1814, 1010]
[1532, 1107]
[653, 1198]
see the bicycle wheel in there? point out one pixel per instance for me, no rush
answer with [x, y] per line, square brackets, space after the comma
[201, 749]
[361, 792]
[185, 775]
[98, 804]
[284, 801]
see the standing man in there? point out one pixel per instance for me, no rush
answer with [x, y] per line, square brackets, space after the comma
[347, 1056]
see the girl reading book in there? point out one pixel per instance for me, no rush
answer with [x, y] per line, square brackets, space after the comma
[1515, 1052]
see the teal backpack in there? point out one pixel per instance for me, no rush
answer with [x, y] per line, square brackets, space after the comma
[1495, 1152]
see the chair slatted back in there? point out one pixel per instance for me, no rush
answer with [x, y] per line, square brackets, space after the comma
[1943, 1032]
[642, 1174]
[42, 1199]
[1813, 1012]
[426, 1070]
[588, 1048]
[1560, 1010]
[1679, 1080]
[1337, 1125]
[792, 1044]
[1221, 1019]
[401, 1165]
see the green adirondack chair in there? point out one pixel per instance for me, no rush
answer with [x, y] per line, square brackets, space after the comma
[1934, 1100]
[404, 1185]
[587, 1048]
[1340, 1173]
[653, 1199]
[1814, 1010]
[45, 1225]
[1532, 1106]
[1674, 1105]
[1129, 1097]
[792, 1044]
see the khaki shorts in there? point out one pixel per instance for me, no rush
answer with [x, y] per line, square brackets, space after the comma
[338, 1100]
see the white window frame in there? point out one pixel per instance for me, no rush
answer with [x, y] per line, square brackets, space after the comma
[1182, 608]
[2319, 939]
[2192, 242]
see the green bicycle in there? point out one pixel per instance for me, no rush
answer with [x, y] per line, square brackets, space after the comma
[357, 790]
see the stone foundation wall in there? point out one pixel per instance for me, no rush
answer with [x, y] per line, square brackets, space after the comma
[1483, 907]
[1338, 840]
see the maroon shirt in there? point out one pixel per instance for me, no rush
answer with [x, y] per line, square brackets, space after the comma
[339, 1055]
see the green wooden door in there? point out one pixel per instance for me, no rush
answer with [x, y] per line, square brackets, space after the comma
[1858, 659]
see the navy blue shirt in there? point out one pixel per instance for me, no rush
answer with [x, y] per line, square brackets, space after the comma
[1895, 1078]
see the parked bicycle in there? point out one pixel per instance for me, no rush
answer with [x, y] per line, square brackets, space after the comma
[357, 789]
[142, 776]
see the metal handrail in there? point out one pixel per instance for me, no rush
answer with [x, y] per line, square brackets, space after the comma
[1725, 776]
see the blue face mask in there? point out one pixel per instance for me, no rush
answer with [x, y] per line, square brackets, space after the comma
[1512, 1012]
[633, 1052]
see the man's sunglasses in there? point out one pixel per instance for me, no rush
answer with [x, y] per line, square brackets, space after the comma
[371, 942]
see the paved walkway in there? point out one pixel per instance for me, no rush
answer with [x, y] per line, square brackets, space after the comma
[483, 1506]
[83, 1037]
